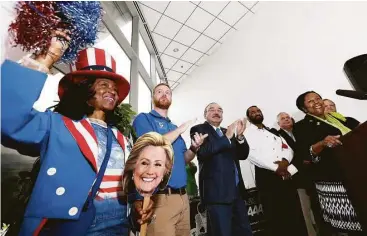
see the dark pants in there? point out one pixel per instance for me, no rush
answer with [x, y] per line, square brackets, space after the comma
[281, 204]
[228, 219]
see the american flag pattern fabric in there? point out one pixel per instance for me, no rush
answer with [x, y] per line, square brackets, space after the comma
[86, 138]
[92, 57]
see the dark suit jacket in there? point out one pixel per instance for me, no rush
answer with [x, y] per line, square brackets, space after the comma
[310, 131]
[216, 169]
[351, 122]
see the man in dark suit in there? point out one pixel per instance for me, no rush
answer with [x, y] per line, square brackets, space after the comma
[220, 179]
[286, 123]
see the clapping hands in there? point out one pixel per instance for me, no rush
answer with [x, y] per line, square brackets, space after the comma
[182, 128]
[197, 140]
[236, 128]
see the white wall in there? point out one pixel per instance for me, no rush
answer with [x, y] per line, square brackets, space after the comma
[7, 16]
[283, 50]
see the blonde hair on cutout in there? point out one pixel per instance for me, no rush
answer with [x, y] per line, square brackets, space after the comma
[148, 139]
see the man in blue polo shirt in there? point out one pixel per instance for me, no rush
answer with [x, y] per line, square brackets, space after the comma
[171, 205]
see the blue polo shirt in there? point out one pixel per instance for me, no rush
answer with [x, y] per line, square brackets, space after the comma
[154, 122]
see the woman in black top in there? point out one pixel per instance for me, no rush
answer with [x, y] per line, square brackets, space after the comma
[317, 134]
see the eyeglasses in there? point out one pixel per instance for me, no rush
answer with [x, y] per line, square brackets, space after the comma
[215, 110]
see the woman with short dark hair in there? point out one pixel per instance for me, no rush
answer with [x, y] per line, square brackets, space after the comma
[317, 134]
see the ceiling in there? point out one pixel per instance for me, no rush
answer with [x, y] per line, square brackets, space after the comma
[186, 33]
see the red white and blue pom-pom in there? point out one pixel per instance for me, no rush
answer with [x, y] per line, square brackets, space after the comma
[84, 18]
[32, 28]
[36, 20]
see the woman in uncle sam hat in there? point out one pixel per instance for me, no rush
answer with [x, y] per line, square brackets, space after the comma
[78, 189]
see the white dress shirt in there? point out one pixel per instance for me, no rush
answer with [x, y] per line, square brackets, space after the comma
[266, 148]
[290, 134]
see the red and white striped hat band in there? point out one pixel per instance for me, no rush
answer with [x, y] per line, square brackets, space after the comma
[94, 59]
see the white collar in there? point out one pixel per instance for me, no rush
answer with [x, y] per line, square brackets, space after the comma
[289, 132]
[214, 127]
[252, 126]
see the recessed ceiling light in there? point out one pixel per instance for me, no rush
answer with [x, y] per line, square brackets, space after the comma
[176, 49]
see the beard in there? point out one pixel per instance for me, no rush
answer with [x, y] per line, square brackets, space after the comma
[162, 103]
[257, 120]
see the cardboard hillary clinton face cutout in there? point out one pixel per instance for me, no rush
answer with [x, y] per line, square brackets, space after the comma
[149, 165]
[150, 169]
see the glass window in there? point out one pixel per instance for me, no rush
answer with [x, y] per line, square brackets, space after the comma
[123, 62]
[144, 54]
[123, 19]
[157, 79]
[144, 96]
[126, 29]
